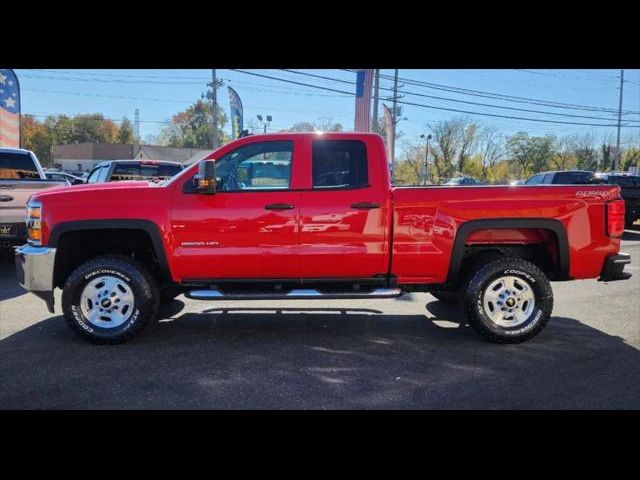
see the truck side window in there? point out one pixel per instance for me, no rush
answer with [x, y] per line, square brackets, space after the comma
[339, 164]
[257, 166]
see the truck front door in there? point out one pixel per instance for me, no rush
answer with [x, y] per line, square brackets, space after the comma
[249, 227]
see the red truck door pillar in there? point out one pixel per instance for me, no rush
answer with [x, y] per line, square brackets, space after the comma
[343, 210]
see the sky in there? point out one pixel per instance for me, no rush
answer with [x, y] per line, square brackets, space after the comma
[158, 94]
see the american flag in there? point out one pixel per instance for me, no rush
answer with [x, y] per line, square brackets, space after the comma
[9, 109]
[363, 100]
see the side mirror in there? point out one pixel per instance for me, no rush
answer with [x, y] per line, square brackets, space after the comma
[205, 180]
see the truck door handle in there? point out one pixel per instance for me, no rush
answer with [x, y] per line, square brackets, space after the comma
[279, 206]
[365, 205]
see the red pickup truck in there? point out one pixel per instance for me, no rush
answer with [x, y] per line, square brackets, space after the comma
[309, 216]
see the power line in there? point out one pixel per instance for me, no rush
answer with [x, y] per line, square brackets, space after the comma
[463, 101]
[504, 97]
[404, 102]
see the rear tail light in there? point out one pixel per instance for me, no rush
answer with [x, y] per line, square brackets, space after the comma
[615, 218]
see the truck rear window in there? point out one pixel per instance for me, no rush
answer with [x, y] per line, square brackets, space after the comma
[574, 178]
[339, 164]
[16, 166]
[144, 171]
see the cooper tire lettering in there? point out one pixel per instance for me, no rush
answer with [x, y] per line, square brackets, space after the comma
[493, 272]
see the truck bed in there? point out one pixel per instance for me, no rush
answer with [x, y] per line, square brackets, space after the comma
[427, 220]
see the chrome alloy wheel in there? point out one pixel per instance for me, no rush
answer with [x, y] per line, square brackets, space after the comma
[508, 301]
[107, 302]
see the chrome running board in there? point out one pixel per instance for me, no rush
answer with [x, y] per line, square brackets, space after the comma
[298, 294]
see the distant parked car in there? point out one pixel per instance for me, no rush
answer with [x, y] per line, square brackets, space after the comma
[514, 183]
[122, 170]
[630, 191]
[64, 177]
[463, 181]
[564, 177]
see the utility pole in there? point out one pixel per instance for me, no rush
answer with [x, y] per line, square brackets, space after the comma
[376, 89]
[214, 108]
[395, 121]
[136, 132]
[617, 161]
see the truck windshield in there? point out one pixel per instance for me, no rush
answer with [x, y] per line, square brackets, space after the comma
[17, 166]
[143, 171]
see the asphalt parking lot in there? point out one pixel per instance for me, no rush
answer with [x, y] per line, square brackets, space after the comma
[411, 352]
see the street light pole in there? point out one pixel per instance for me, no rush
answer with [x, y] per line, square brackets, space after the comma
[269, 118]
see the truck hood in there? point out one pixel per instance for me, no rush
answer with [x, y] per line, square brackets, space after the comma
[94, 187]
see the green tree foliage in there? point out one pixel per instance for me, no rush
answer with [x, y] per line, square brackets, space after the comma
[125, 134]
[530, 154]
[192, 127]
[453, 142]
[630, 158]
[40, 137]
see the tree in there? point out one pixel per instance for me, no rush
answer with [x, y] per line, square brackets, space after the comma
[454, 141]
[125, 134]
[192, 127]
[563, 158]
[630, 158]
[37, 138]
[322, 125]
[491, 149]
[585, 153]
[467, 141]
[530, 154]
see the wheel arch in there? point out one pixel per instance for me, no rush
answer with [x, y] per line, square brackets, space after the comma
[465, 229]
[140, 226]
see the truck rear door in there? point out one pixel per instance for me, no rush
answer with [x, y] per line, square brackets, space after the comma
[343, 209]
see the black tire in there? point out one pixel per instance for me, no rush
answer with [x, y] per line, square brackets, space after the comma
[134, 275]
[537, 318]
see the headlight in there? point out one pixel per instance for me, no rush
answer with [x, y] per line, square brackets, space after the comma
[34, 228]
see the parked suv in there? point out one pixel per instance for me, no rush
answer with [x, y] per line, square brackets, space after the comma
[630, 190]
[563, 177]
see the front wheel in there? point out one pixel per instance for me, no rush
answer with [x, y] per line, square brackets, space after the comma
[509, 300]
[109, 299]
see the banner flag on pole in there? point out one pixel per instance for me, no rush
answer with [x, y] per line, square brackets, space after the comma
[235, 111]
[388, 128]
[364, 80]
[9, 109]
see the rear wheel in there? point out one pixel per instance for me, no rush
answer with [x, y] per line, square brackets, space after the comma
[509, 300]
[109, 299]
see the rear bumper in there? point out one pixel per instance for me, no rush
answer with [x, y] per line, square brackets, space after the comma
[34, 269]
[614, 268]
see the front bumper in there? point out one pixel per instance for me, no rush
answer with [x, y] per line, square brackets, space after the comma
[34, 269]
[613, 268]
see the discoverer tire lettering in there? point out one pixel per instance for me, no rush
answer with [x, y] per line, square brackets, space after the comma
[136, 277]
